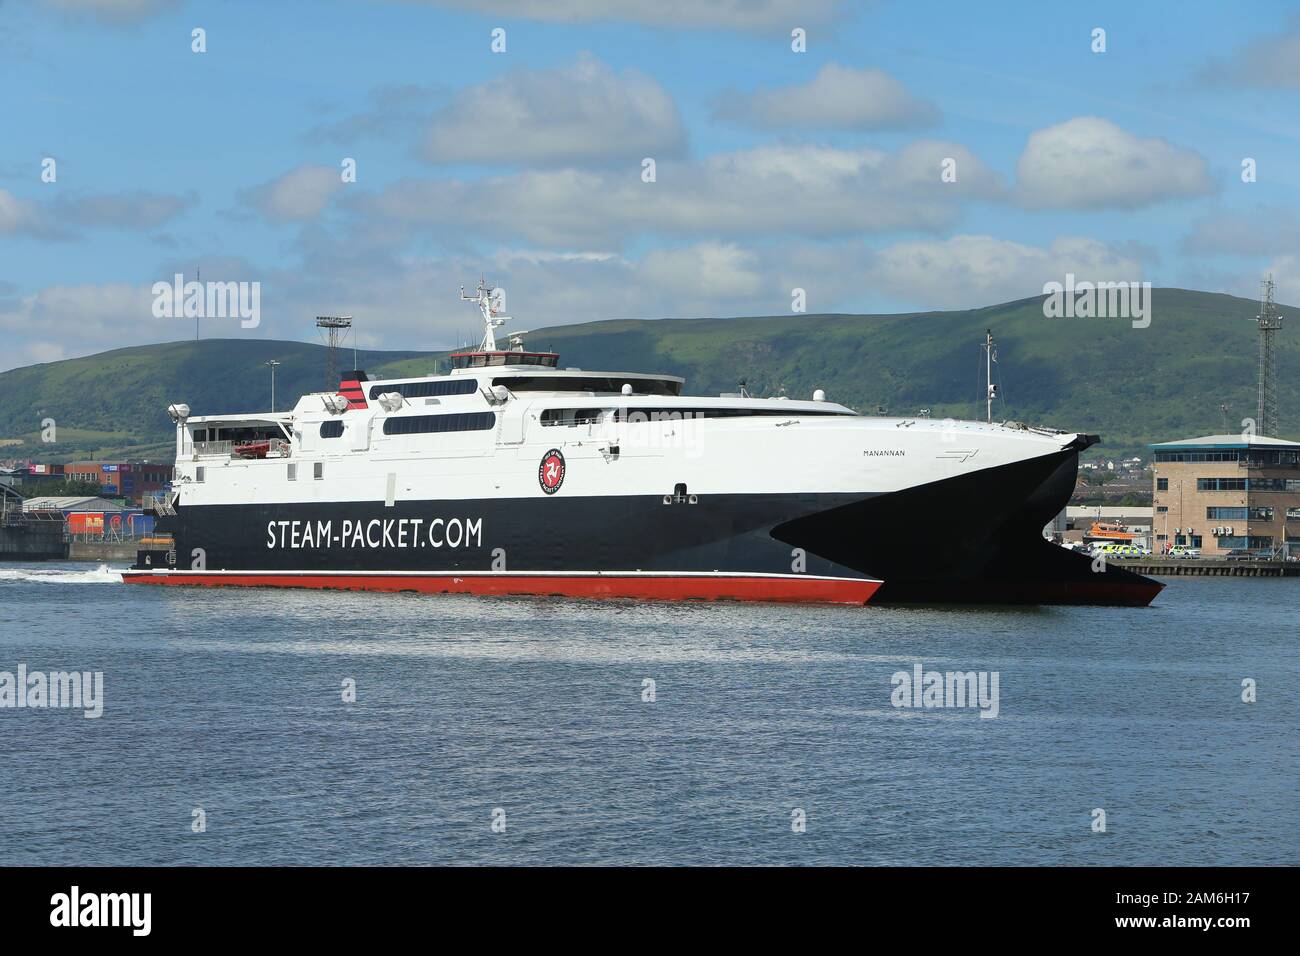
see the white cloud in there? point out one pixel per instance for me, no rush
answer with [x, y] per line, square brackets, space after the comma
[414, 302]
[70, 320]
[838, 97]
[1256, 231]
[970, 271]
[1269, 62]
[1090, 163]
[22, 217]
[299, 195]
[576, 114]
[137, 210]
[1285, 271]
[405, 301]
[729, 14]
[112, 11]
[788, 190]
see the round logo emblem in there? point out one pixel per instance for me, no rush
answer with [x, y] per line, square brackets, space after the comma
[550, 474]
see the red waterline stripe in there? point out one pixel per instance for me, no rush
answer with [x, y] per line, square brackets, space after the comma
[653, 588]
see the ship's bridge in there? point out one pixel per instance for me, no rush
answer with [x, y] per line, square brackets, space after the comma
[482, 359]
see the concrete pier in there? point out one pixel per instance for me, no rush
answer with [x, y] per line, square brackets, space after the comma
[32, 541]
[1178, 567]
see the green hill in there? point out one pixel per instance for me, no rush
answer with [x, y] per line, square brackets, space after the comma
[1130, 385]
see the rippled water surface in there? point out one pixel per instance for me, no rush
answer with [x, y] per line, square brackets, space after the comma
[232, 701]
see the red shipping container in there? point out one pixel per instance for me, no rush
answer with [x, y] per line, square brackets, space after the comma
[86, 522]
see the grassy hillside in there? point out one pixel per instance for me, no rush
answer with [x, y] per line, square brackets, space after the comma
[115, 403]
[1130, 385]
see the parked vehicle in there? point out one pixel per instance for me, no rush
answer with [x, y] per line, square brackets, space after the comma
[1179, 551]
[1121, 551]
[1249, 554]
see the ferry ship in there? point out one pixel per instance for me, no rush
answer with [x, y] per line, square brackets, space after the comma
[512, 475]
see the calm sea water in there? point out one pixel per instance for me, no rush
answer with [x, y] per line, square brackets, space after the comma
[231, 701]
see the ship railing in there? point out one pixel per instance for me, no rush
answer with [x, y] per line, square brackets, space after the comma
[279, 449]
[213, 449]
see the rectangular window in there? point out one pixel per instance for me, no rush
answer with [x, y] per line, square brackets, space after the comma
[427, 424]
[1198, 456]
[570, 383]
[1275, 484]
[1225, 514]
[456, 386]
[1162, 484]
[571, 416]
[1221, 484]
[293, 472]
[318, 469]
[331, 429]
[198, 474]
[1161, 509]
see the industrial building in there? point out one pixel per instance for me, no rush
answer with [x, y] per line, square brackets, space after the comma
[132, 480]
[1221, 493]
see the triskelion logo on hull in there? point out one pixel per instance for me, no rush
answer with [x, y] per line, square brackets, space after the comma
[550, 473]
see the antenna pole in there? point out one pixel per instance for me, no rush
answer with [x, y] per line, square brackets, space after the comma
[273, 363]
[492, 321]
[988, 372]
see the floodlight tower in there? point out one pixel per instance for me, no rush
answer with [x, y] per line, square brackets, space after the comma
[1270, 323]
[334, 325]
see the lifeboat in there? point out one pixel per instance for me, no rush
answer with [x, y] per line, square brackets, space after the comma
[1109, 531]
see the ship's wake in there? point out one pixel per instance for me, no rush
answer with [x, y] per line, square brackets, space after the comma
[61, 575]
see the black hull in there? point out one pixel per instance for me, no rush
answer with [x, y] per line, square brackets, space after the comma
[974, 539]
[907, 539]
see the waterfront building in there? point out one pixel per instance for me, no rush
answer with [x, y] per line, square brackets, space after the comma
[131, 480]
[1221, 493]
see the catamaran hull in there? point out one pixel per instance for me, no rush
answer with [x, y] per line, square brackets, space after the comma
[634, 547]
[970, 539]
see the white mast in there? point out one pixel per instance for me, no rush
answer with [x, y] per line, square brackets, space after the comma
[492, 319]
[991, 390]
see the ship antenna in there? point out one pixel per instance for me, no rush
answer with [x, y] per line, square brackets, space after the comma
[990, 390]
[492, 319]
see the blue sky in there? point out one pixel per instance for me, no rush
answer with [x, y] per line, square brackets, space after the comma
[775, 170]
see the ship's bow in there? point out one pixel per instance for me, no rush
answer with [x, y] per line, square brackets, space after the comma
[972, 538]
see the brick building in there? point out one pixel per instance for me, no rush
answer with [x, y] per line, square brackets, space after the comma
[1222, 492]
[132, 480]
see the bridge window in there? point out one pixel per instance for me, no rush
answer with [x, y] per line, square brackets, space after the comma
[427, 424]
[331, 429]
[456, 386]
[588, 383]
